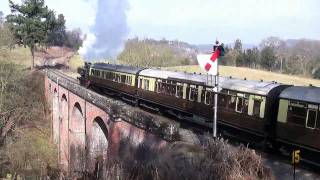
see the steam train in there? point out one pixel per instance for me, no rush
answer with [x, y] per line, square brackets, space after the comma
[277, 115]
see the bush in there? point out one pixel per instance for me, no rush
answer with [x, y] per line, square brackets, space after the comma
[25, 147]
[7, 39]
[216, 159]
[316, 74]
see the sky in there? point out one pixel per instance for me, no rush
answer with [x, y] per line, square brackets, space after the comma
[202, 21]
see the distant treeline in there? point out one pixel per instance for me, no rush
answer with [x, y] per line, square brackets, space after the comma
[300, 57]
[152, 53]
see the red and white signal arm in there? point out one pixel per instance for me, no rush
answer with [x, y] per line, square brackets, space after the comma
[207, 64]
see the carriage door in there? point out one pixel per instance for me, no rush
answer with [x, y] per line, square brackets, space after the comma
[311, 116]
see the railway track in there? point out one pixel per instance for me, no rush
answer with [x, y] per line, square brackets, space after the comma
[59, 73]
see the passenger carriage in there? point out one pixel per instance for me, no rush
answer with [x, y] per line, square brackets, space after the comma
[116, 79]
[185, 95]
[298, 119]
[250, 106]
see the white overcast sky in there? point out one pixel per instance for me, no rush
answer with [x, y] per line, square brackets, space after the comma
[202, 21]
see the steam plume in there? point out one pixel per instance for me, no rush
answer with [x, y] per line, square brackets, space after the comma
[109, 31]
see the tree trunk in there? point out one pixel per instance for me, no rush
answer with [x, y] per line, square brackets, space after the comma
[32, 60]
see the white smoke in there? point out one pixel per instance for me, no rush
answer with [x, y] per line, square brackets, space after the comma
[109, 31]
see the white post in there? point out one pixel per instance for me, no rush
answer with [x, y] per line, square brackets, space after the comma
[58, 94]
[215, 107]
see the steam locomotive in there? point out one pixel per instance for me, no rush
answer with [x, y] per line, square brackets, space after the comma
[278, 115]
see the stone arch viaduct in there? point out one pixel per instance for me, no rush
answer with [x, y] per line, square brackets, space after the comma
[86, 125]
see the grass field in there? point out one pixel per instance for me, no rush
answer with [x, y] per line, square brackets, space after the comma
[254, 74]
[18, 55]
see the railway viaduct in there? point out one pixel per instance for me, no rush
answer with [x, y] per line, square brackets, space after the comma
[88, 127]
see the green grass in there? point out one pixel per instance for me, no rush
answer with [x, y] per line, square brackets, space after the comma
[18, 55]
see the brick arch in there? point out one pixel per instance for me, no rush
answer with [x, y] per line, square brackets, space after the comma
[63, 147]
[97, 144]
[55, 116]
[99, 141]
[77, 118]
[77, 138]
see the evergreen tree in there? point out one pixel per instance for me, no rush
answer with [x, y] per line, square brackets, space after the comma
[241, 58]
[32, 23]
[57, 35]
[238, 49]
[238, 46]
[252, 57]
[1, 18]
[268, 57]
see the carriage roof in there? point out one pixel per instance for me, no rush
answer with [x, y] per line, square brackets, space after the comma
[249, 86]
[302, 93]
[116, 67]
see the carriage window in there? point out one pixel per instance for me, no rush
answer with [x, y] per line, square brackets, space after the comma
[256, 108]
[297, 113]
[129, 80]
[163, 87]
[97, 73]
[140, 83]
[122, 78]
[168, 89]
[209, 98]
[245, 106]
[203, 96]
[239, 106]
[146, 84]
[223, 101]
[231, 102]
[114, 77]
[193, 93]
[311, 118]
[159, 87]
[179, 91]
[173, 89]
